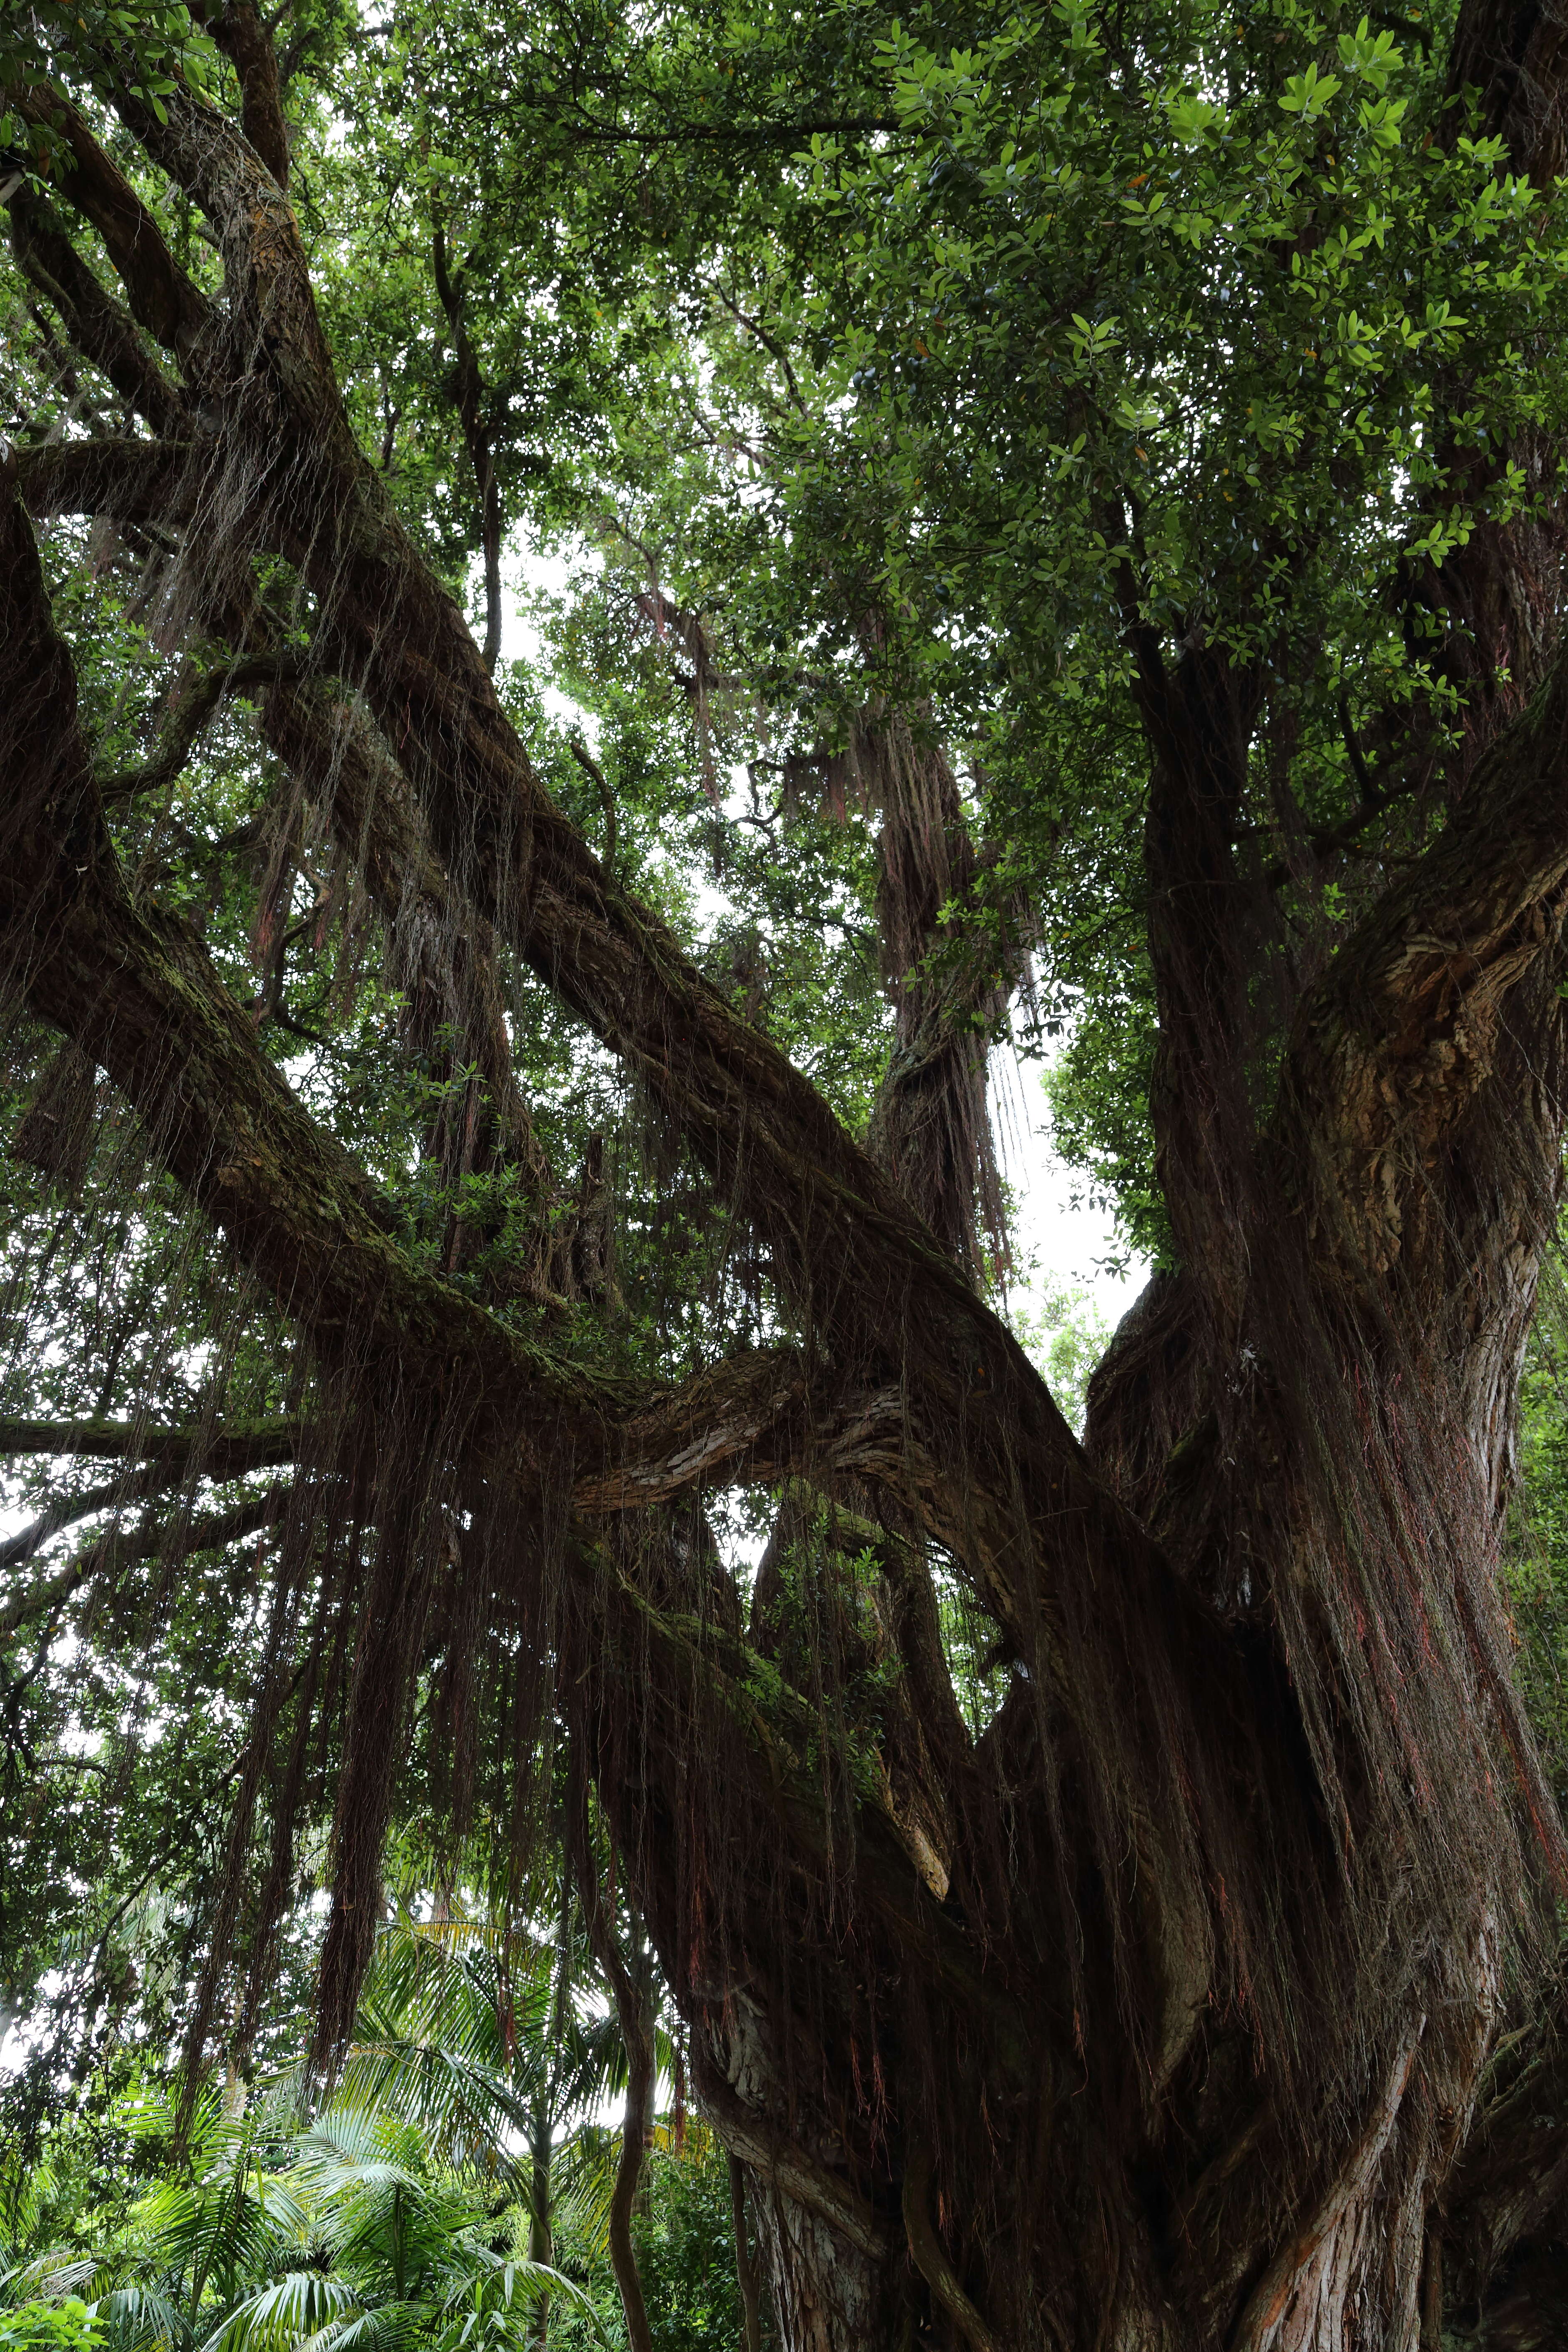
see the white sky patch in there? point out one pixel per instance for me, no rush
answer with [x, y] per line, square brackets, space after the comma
[533, 573]
[1060, 1239]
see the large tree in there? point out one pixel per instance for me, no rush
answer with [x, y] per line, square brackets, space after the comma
[1105, 482]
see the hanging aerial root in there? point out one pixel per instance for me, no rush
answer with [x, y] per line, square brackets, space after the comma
[1290, 2270]
[929, 2254]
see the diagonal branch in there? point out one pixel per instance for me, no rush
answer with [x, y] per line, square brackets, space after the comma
[165, 299]
[842, 1239]
[931, 2256]
[210, 1532]
[99, 326]
[785, 2165]
[63, 1512]
[137, 992]
[195, 706]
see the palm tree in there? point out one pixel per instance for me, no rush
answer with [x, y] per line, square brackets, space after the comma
[475, 2030]
[192, 2242]
[419, 2210]
[401, 2253]
[365, 2229]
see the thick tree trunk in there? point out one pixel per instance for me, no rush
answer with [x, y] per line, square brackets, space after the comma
[1333, 1485]
[828, 2297]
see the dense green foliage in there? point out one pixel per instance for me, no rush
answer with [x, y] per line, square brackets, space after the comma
[400, 2215]
[239, 2230]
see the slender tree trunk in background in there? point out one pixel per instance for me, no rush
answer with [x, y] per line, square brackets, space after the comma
[745, 2260]
[469, 392]
[546, 2108]
[540, 2239]
[631, 1987]
[637, 2129]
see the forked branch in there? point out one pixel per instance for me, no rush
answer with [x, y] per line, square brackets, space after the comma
[194, 707]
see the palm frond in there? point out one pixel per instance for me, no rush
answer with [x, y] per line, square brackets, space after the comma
[356, 2148]
[46, 2277]
[584, 2183]
[299, 2305]
[383, 2327]
[471, 2123]
[483, 2308]
[139, 2319]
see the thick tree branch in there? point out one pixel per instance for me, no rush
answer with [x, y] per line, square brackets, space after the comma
[841, 1236]
[756, 1409]
[138, 993]
[165, 299]
[246, 41]
[131, 481]
[226, 1452]
[63, 1512]
[1197, 717]
[1395, 1046]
